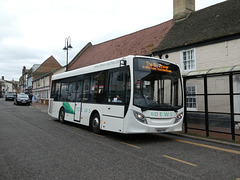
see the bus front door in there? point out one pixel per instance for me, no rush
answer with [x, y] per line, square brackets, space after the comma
[78, 107]
[78, 103]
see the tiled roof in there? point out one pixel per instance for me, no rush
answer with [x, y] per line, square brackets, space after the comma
[142, 42]
[207, 25]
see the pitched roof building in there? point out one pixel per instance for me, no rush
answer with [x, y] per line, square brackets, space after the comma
[142, 42]
[47, 66]
[213, 24]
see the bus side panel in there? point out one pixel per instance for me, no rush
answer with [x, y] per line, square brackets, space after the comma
[112, 118]
[86, 111]
[69, 110]
[56, 105]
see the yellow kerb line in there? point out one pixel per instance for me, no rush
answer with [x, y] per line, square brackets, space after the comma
[208, 146]
[131, 145]
[179, 160]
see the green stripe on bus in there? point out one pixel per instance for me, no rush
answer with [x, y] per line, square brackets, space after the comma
[68, 108]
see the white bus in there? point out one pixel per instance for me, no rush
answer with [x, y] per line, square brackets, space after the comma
[133, 94]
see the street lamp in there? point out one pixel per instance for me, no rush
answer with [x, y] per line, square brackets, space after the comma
[67, 46]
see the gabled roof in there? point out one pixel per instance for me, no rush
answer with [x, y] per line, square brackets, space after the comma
[142, 42]
[207, 25]
[46, 74]
[47, 66]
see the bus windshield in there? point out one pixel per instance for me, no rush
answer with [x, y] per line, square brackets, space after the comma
[157, 85]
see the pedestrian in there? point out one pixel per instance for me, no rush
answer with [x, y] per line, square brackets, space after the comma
[30, 98]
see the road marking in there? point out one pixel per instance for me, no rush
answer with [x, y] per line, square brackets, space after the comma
[131, 145]
[208, 146]
[179, 160]
[98, 135]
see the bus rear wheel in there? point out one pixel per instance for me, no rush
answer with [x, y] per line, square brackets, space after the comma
[95, 123]
[62, 115]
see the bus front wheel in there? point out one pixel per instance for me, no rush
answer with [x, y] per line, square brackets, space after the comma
[62, 115]
[95, 123]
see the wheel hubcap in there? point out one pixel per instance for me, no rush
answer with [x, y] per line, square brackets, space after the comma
[61, 116]
[95, 122]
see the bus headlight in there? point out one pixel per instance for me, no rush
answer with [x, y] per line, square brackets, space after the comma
[140, 117]
[178, 118]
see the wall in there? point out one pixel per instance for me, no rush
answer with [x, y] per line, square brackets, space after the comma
[41, 89]
[218, 55]
[213, 56]
[29, 81]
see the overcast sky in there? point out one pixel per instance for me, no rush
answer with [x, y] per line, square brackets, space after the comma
[31, 31]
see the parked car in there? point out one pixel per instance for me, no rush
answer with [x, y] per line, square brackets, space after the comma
[22, 99]
[9, 96]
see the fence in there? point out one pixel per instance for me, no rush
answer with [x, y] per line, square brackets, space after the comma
[212, 102]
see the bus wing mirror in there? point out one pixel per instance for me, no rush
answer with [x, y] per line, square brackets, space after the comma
[123, 63]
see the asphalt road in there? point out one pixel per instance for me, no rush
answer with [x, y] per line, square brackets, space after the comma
[35, 146]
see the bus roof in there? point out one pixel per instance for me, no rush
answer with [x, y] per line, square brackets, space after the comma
[98, 67]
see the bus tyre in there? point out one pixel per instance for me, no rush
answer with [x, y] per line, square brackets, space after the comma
[95, 123]
[61, 115]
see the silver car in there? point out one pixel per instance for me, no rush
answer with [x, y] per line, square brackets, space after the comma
[9, 96]
[22, 99]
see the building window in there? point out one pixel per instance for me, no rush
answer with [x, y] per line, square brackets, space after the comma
[191, 97]
[188, 60]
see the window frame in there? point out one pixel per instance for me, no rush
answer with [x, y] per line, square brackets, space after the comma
[188, 60]
[125, 95]
[191, 97]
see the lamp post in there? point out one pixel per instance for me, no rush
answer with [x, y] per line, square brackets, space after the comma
[66, 47]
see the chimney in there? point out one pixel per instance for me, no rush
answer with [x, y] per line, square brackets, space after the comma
[182, 8]
[24, 69]
[2, 77]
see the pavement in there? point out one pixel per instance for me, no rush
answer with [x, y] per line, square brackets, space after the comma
[218, 138]
[42, 107]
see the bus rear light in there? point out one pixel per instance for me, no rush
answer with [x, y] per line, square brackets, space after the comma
[140, 117]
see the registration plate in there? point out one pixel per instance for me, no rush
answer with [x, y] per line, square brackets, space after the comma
[161, 130]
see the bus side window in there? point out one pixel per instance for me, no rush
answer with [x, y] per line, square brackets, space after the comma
[71, 91]
[55, 92]
[79, 89]
[93, 88]
[64, 92]
[116, 87]
[97, 87]
[86, 89]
